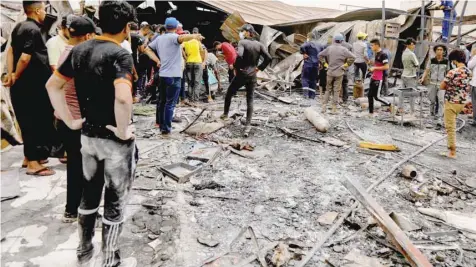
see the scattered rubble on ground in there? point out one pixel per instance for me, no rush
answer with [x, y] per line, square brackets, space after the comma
[283, 182]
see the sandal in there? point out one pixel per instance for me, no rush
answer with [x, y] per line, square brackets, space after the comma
[42, 172]
[42, 162]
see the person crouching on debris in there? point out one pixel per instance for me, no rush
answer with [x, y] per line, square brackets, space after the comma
[457, 87]
[376, 81]
[338, 59]
[246, 68]
[310, 71]
[229, 53]
[437, 68]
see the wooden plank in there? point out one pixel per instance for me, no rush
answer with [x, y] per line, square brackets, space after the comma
[396, 235]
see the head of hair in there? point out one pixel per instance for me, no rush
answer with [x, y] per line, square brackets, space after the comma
[458, 56]
[410, 41]
[162, 29]
[134, 26]
[439, 46]
[115, 15]
[216, 43]
[64, 21]
[28, 6]
[375, 42]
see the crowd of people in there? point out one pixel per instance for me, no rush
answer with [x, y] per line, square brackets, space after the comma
[82, 83]
[448, 76]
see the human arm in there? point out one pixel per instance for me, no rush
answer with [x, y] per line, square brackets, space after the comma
[204, 56]
[416, 63]
[10, 79]
[151, 54]
[217, 75]
[303, 50]
[54, 86]
[472, 61]
[449, 77]
[266, 58]
[22, 64]
[53, 53]
[322, 57]
[187, 37]
[425, 73]
[123, 99]
[350, 58]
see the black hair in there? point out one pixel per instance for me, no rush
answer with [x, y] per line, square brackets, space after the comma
[457, 55]
[410, 41]
[216, 43]
[439, 46]
[153, 27]
[115, 15]
[28, 4]
[64, 21]
[375, 41]
[134, 26]
[162, 29]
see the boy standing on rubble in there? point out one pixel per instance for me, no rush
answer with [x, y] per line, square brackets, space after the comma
[246, 68]
[437, 68]
[457, 87]
[339, 59]
[376, 81]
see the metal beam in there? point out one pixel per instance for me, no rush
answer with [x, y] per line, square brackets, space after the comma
[460, 22]
[382, 36]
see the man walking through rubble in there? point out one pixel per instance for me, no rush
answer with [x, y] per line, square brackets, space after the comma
[437, 68]
[246, 67]
[310, 70]
[102, 73]
[194, 66]
[361, 57]
[381, 64]
[339, 59]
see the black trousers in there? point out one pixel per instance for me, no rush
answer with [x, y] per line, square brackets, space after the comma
[74, 168]
[35, 117]
[231, 75]
[374, 93]
[250, 83]
[345, 89]
[360, 67]
[205, 80]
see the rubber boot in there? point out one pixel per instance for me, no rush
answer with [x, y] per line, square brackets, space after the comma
[86, 225]
[110, 250]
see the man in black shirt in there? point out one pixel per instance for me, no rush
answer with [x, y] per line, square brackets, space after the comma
[246, 67]
[102, 73]
[28, 71]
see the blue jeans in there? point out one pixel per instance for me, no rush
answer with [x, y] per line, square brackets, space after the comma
[169, 89]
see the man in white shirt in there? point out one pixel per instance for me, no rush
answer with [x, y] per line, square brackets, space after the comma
[472, 67]
[56, 45]
[361, 56]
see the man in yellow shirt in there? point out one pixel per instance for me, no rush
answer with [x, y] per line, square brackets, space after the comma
[194, 68]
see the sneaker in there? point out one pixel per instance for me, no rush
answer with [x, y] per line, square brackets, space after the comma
[224, 117]
[129, 262]
[451, 154]
[157, 125]
[176, 119]
[210, 99]
[69, 217]
[165, 133]
[247, 130]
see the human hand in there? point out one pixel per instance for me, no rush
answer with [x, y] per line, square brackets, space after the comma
[421, 80]
[9, 80]
[136, 77]
[230, 66]
[75, 124]
[128, 135]
[158, 64]
[306, 56]
[371, 69]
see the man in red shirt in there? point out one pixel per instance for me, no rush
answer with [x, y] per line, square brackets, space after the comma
[230, 56]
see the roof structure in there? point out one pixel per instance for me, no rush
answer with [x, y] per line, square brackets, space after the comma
[272, 12]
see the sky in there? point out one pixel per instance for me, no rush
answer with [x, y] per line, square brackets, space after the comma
[335, 4]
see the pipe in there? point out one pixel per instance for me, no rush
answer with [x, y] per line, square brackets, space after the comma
[409, 171]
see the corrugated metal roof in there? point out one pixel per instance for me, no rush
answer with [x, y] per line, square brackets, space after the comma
[271, 12]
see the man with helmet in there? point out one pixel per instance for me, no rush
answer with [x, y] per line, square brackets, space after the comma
[338, 58]
[361, 56]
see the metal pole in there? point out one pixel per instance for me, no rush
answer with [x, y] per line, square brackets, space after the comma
[382, 37]
[461, 22]
[422, 20]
